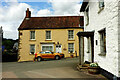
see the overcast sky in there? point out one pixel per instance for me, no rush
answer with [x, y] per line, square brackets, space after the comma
[12, 12]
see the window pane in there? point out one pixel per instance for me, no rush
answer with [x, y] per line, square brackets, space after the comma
[32, 34]
[70, 47]
[47, 48]
[32, 49]
[101, 3]
[48, 34]
[70, 34]
[103, 41]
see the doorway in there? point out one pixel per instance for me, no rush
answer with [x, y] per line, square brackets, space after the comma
[58, 48]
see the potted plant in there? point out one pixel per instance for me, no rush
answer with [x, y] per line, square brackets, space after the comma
[94, 68]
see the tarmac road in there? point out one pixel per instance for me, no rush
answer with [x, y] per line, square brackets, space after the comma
[64, 68]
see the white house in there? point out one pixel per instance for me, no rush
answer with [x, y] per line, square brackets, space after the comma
[101, 35]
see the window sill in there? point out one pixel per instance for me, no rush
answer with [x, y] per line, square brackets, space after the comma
[100, 9]
[32, 40]
[32, 54]
[102, 54]
[71, 39]
[48, 40]
[71, 53]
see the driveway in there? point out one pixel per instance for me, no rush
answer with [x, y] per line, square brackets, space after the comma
[64, 68]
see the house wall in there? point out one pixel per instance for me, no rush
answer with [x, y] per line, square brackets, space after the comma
[119, 38]
[57, 35]
[107, 18]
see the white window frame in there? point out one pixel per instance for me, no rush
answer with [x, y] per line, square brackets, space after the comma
[102, 41]
[73, 47]
[48, 35]
[70, 35]
[48, 45]
[31, 36]
[34, 48]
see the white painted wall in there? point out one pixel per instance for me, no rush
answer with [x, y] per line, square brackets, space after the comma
[119, 38]
[107, 18]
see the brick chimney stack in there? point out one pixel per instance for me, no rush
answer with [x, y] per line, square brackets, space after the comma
[28, 13]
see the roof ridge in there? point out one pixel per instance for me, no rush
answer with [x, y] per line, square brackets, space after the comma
[55, 16]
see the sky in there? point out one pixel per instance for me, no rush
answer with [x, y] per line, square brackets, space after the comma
[12, 12]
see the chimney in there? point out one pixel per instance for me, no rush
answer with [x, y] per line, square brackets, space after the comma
[28, 13]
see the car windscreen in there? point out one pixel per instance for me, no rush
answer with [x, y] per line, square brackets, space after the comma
[42, 52]
[48, 52]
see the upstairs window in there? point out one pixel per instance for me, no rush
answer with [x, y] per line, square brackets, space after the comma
[32, 35]
[70, 34]
[101, 4]
[48, 35]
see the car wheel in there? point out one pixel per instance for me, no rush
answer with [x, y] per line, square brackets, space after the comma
[39, 59]
[57, 57]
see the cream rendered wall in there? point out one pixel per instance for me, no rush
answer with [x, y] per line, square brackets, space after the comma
[57, 35]
[107, 18]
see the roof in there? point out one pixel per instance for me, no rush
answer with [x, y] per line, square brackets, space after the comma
[52, 22]
[84, 4]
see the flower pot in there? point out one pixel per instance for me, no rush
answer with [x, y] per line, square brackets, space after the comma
[94, 70]
[85, 65]
[71, 56]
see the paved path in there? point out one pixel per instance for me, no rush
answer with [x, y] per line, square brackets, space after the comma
[65, 68]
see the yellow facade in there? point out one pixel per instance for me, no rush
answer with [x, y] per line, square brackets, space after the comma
[57, 36]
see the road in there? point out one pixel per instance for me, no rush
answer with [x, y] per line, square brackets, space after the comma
[64, 68]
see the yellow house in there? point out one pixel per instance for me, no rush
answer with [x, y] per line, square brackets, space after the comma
[54, 33]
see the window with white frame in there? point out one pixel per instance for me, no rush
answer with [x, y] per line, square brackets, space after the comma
[101, 4]
[70, 47]
[32, 35]
[47, 47]
[48, 35]
[70, 34]
[102, 41]
[32, 48]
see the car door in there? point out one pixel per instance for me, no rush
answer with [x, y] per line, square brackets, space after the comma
[44, 55]
[50, 55]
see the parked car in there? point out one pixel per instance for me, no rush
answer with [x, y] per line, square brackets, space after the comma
[48, 55]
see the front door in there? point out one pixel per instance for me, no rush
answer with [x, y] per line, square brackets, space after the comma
[58, 48]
